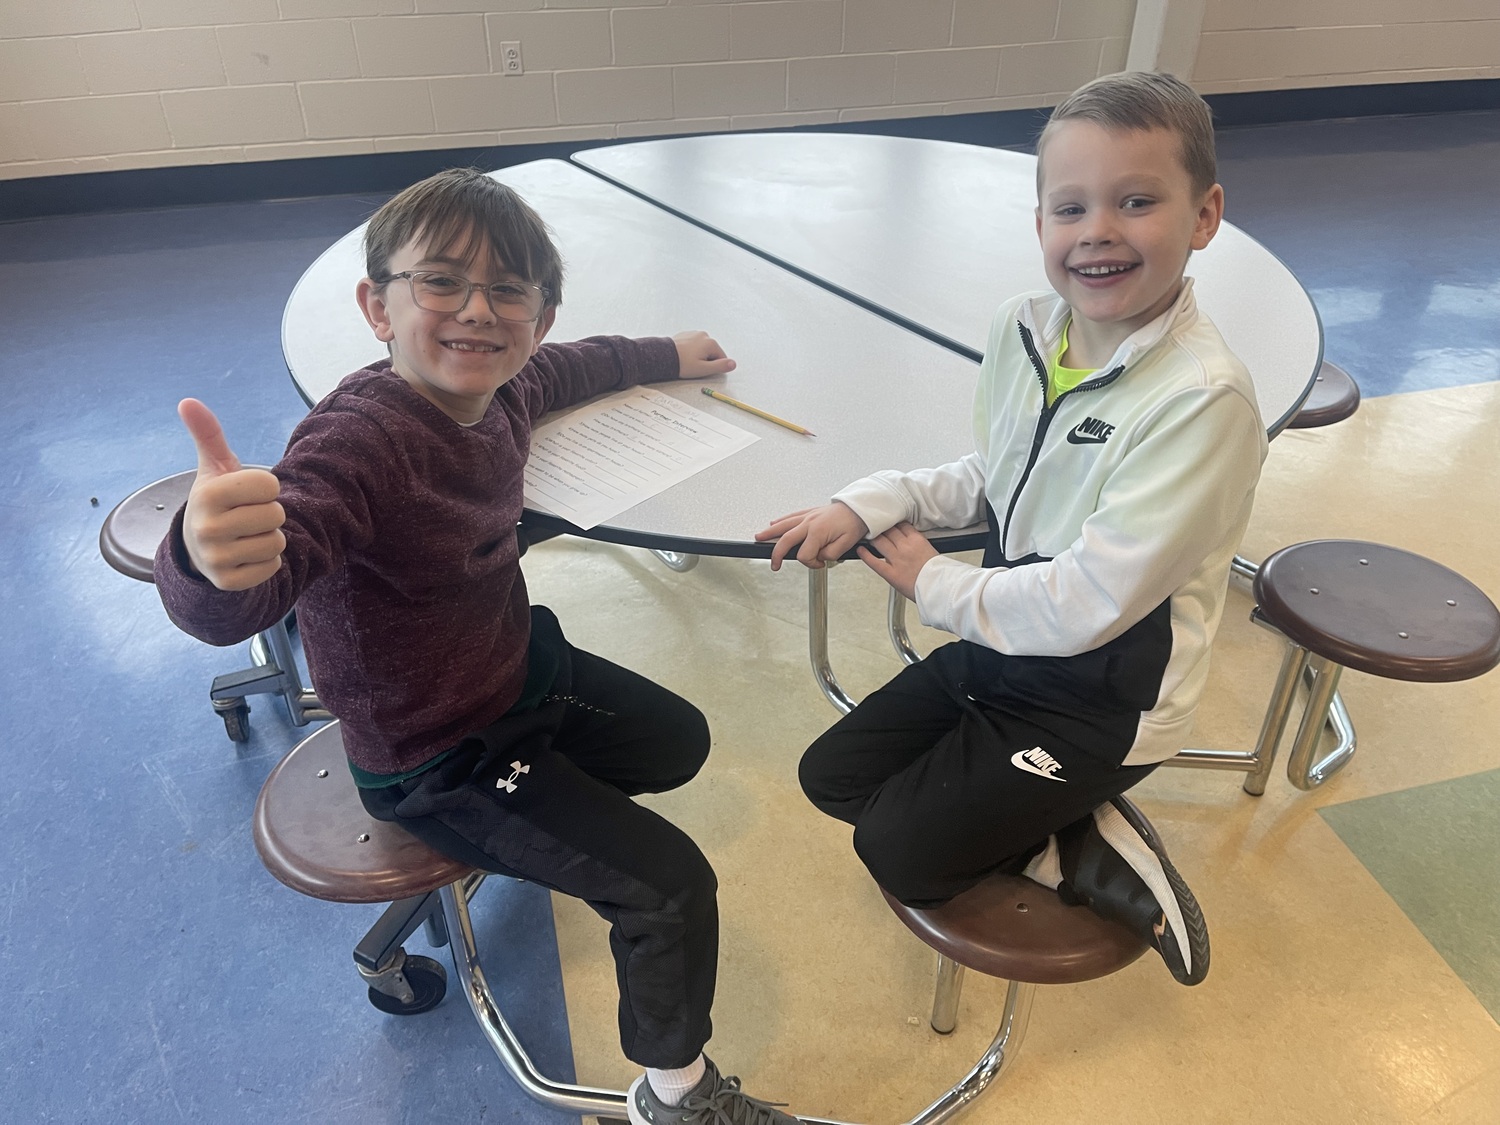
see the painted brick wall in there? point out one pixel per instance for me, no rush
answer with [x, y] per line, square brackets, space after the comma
[92, 85]
[1282, 44]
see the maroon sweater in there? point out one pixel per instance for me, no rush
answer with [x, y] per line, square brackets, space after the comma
[401, 553]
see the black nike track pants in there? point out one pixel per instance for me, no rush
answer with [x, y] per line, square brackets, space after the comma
[564, 819]
[943, 791]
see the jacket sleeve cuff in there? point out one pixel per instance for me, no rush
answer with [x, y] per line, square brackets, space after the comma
[937, 582]
[878, 502]
[193, 603]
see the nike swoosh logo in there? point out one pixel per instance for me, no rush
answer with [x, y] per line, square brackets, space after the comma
[1075, 438]
[1018, 759]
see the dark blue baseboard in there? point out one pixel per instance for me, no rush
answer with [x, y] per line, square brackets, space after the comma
[383, 174]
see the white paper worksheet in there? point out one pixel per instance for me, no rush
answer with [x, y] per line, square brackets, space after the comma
[598, 460]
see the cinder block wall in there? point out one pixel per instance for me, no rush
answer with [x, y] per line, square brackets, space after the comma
[92, 85]
[1280, 44]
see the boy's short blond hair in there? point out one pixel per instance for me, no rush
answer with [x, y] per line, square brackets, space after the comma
[1138, 99]
[466, 211]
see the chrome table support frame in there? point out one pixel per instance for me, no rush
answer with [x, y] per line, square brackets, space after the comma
[611, 1103]
[895, 627]
[559, 1095]
[817, 639]
[677, 560]
[817, 636]
[1000, 1053]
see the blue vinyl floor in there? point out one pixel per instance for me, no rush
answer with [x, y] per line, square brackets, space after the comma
[155, 972]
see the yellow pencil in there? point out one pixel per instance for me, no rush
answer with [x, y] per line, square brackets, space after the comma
[722, 397]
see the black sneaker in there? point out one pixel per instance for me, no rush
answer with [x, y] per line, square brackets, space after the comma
[716, 1100]
[1114, 863]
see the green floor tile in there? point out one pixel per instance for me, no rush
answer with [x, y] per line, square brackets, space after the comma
[1436, 851]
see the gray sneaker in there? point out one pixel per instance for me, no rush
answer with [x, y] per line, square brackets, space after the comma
[716, 1100]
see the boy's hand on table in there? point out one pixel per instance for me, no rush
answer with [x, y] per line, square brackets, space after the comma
[820, 535]
[903, 552]
[699, 354]
[232, 525]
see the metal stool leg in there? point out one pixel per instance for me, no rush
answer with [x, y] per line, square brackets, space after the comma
[301, 703]
[991, 1065]
[1301, 770]
[1293, 661]
[945, 994]
[1258, 762]
[273, 672]
[1338, 715]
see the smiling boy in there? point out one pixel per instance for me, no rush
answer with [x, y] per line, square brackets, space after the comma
[1118, 448]
[467, 717]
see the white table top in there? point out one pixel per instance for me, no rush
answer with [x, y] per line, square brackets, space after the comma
[877, 395]
[939, 234]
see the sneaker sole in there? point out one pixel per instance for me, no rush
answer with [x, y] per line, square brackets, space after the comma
[1188, 924]
[630, 1110]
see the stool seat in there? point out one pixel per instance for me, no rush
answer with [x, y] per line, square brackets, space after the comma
[1011, 927]
[314, 835]
[1380, 609]
[1334, 396]
[137, 525]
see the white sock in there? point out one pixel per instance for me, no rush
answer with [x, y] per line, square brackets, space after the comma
[1046, 866]
[671, 1086]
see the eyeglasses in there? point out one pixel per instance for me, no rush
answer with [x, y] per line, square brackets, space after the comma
[518, 301]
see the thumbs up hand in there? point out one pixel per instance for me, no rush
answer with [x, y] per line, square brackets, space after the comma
[233, 521]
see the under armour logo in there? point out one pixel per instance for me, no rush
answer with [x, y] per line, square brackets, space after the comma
[509, 783]
[1037, 761]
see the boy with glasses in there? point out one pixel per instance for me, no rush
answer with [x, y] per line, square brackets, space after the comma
[1119, 443]
[467, 716]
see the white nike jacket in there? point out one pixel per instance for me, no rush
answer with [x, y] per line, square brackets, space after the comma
[1113, 516]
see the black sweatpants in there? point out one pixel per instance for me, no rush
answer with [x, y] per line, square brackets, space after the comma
[544, 795]
[944, 790]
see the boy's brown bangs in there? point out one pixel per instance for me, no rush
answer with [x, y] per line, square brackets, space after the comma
[465, 235]
[465, 215]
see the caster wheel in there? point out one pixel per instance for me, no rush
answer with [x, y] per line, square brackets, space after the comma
[428, 980]
[237, 722]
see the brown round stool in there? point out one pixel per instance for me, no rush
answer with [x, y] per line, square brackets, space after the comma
[136, 526]
[1018, 930]
[313, 834]
[128, 540]
[1343, 603]
[1334, 396]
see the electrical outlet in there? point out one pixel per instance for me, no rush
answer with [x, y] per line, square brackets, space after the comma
[510, 59]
